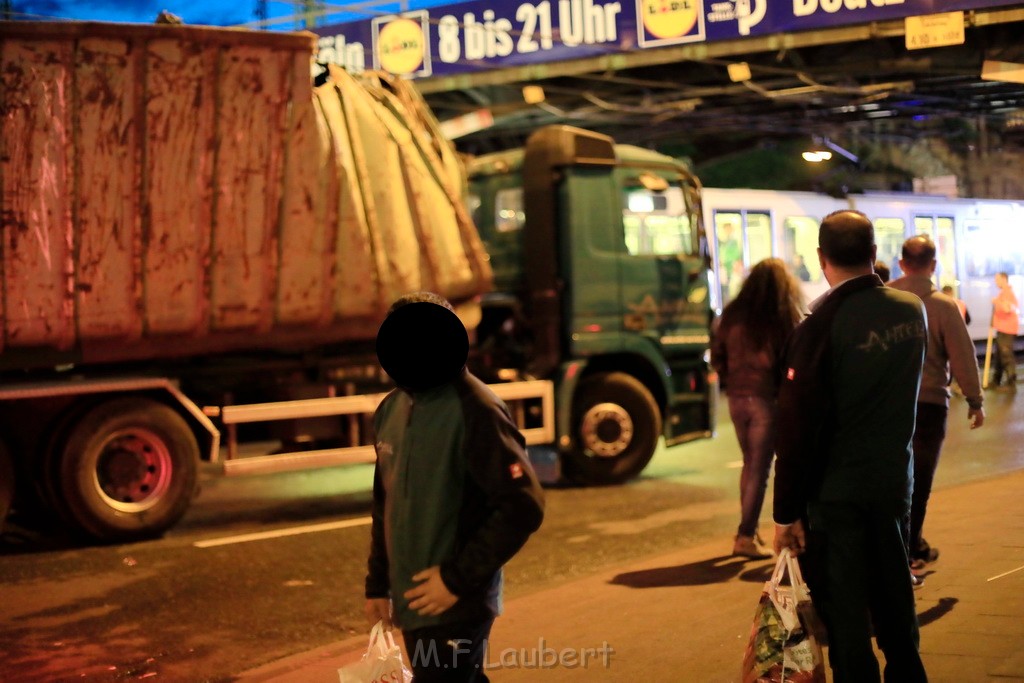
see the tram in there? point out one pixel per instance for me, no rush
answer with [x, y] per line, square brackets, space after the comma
[974, 238]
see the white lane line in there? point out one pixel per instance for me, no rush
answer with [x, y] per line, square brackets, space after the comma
[1007, 573]
[290, 531]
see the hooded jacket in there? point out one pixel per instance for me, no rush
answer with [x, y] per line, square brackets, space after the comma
[452, 487]
[949, 345]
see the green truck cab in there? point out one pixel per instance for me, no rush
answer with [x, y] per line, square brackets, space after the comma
[601, 284]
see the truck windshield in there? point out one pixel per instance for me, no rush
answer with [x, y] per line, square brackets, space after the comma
[656, 223]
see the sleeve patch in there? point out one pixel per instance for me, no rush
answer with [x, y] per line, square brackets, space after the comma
[516, 470]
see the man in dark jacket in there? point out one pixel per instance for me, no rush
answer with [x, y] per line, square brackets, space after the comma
[843, 475]
[454, 496]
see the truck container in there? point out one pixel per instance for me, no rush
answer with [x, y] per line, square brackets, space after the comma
[202, 231]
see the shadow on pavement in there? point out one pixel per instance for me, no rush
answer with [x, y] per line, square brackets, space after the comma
[936, 612]
[713, 570]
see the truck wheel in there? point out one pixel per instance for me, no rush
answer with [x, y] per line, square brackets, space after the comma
[6, 484]
[617, 424]
[128, 469]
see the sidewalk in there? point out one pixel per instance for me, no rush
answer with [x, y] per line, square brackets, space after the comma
[685, 616]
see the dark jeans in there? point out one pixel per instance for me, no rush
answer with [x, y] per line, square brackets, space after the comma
[1005, 363]
[754, 420]
[449, 652]
[856, 567]
[929, 432]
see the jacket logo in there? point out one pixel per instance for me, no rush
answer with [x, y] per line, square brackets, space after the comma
[516, 470]
[883, 340]
[791, 373]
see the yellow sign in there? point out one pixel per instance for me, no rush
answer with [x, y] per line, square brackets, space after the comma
[934, 30]
[1002, 71]
[400, 46]
[667, 19]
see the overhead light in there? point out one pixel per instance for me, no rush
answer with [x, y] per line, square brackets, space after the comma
[533, 94]
[822, 150]
[739, 72]
[817, 156]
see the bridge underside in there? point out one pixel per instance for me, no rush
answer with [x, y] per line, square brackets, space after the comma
[836, 83]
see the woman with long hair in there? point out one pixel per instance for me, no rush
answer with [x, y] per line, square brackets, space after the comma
[745, 350]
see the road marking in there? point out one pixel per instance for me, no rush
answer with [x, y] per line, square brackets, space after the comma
[1007, 573]
[290, 531]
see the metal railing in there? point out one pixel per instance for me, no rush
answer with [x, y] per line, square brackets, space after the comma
[515, 394]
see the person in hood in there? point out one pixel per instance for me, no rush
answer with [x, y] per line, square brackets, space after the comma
[454, 495]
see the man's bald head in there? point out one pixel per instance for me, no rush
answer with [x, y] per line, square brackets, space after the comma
[847, 239]
[918, 253]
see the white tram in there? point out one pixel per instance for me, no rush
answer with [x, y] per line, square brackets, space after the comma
[975, 238]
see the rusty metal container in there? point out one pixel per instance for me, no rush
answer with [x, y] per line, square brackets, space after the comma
[168, 191]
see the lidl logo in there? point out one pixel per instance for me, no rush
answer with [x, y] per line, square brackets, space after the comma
[664, 22]
[400, 44]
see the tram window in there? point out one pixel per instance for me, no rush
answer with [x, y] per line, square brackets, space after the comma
[945, 270]
[656, 223]
[800, 247]
[940, 229]
[889, 236]
[508, 209]
[993, 247]
[730, 253]
[759, 237]
[924, 225]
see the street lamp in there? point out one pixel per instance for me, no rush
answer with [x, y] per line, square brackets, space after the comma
[817, 156]
[820, 151]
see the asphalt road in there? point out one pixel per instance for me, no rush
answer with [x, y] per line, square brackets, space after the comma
[201, 604]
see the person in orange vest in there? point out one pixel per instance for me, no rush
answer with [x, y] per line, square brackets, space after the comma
[964, 313]
[1005, 322]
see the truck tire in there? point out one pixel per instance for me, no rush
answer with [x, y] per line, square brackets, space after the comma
[616, 424]
[128, 470]
[6, 484]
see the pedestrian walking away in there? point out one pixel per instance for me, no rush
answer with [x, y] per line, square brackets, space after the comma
[881, 270]
[745, 351]
[1005, 320]
[950, 350]
[454, 496]
[960, 303]
[843, 469]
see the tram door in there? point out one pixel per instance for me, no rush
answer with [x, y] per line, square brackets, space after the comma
[940, 229]
[743, 239]
[889, 237]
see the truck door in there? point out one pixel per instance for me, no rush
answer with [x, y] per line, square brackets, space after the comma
[632, 260]
[664, 290]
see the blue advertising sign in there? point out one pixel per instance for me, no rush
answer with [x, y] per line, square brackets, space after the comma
[489, 34]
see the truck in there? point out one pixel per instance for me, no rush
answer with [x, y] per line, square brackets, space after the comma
[202, 231]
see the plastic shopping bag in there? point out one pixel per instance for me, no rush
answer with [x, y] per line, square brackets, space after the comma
[382, 662]
[782, 646]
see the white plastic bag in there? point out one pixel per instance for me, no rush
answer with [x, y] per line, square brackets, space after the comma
[381, 663]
